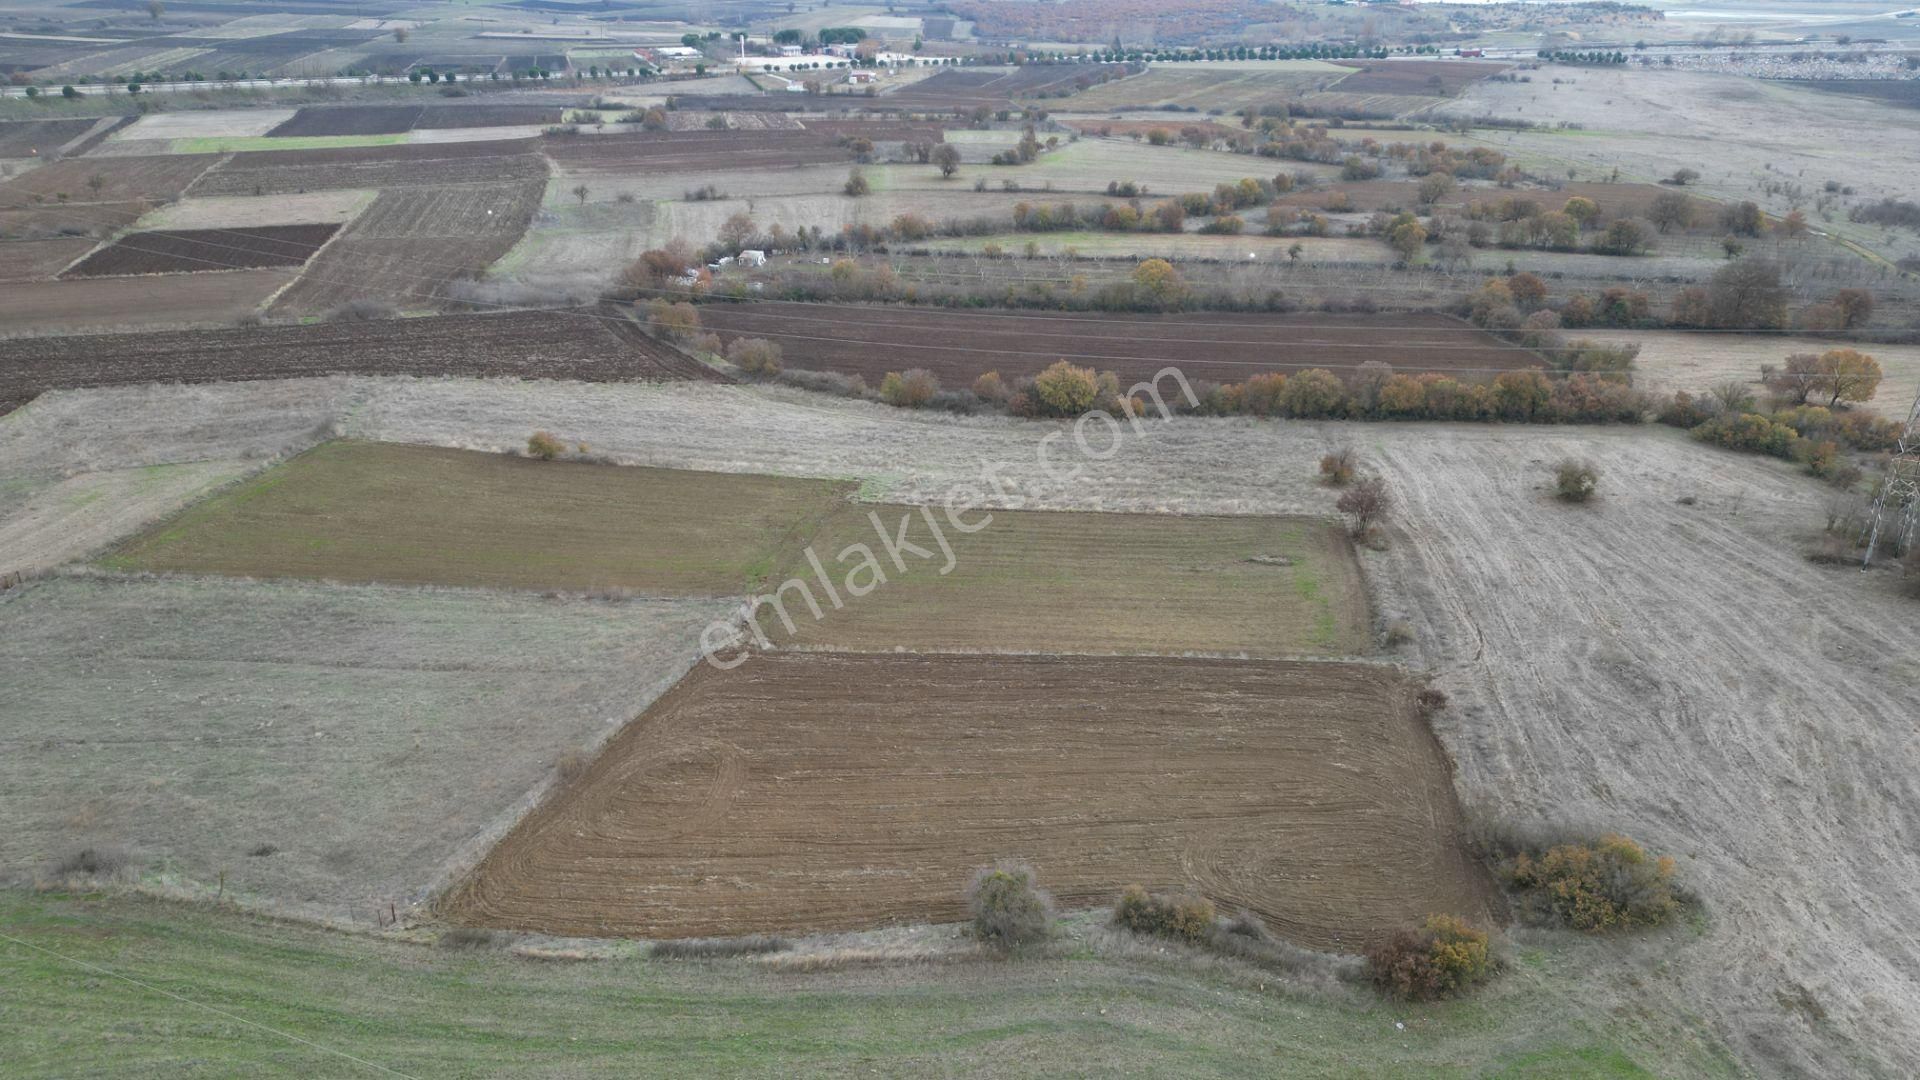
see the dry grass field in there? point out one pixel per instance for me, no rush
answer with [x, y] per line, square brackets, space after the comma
[252, 212]
[48, 518]
[1696, 363]
[806, 792]
[318, 749]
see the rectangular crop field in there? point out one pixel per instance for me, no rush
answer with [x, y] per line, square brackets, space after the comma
[584, 345]
[325, 747]
[48, 307]
[274, 172]
[120, 179]
[1040, 581]
[39, 260]
[189, 251]
[831, 791]
[349, 511]
[1027, 581]
[1213, 86]
[412, 242]
[1215, 346]
[39, 138]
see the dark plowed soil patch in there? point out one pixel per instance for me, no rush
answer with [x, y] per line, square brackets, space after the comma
[686, 151]
[350, 120]
[871, 340]
[271, 172]
[472, 116]
[522, 344]
[189, 251]
[832, 791]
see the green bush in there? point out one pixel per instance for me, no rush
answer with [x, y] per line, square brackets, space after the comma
[1605, 884]
[543, 445]
[1007, 907]
[1185, 917]
[1575, 481]
[1444, 958]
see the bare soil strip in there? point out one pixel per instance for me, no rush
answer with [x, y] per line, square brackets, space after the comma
[806, 792]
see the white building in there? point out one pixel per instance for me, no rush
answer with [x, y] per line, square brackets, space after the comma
[753, 258]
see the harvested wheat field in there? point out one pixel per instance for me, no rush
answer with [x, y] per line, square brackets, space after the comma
[187, 251]
[833, 791]
[323, 748]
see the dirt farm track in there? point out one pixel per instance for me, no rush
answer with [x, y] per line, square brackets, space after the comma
[827, 791]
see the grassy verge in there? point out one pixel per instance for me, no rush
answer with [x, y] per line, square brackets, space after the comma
[1100, 1009]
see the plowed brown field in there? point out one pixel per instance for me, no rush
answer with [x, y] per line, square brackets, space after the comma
[830, 791]
[957, 346]
[188, 251]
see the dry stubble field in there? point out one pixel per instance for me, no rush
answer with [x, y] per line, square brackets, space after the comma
[837, 791]
[365, 735]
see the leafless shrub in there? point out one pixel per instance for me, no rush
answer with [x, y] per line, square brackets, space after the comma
[92, 861]
[572, 765]
[1366, 504]
[1430, 701]
[361, 310]
[1336, 467]
[467, 937]
[1398, 632]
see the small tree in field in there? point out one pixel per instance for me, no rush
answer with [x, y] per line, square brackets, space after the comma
[580, 192]
[856, 185]
[1366, 504]
[1008, 908]
[543, 445]
[1846, 375]
[1574, 480]
[947, 157]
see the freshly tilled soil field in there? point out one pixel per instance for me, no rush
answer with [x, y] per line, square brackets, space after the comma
[412, 242]
[188, 251]
[272, 172]
[592, 346]
[831, 791]
[869, 341]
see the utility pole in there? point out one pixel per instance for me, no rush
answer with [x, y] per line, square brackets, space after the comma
[1899, 495]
